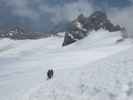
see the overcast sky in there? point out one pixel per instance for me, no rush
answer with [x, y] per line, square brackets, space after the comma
[43, 15]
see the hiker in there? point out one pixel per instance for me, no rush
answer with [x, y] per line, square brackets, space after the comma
[50, 74]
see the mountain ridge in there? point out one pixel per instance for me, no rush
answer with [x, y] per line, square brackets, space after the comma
[82, 26]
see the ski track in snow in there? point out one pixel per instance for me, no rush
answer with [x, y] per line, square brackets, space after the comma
[95, 68]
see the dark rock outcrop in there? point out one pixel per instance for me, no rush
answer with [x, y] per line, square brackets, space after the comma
[81, 26]
[68, 39]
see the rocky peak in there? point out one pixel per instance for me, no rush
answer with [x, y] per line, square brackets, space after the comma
[82, 25]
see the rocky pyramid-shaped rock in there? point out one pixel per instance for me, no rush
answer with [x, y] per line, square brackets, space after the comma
[80, 27]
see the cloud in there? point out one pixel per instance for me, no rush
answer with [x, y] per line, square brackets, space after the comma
[44, 15]
[21, 8]
[123, 17]
[69, 11]
[40, 12]
[72, 10]
[130, 0]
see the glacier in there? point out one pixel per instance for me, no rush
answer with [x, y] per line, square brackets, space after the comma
[97, 67]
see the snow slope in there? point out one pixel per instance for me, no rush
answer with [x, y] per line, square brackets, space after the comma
[95, 68]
